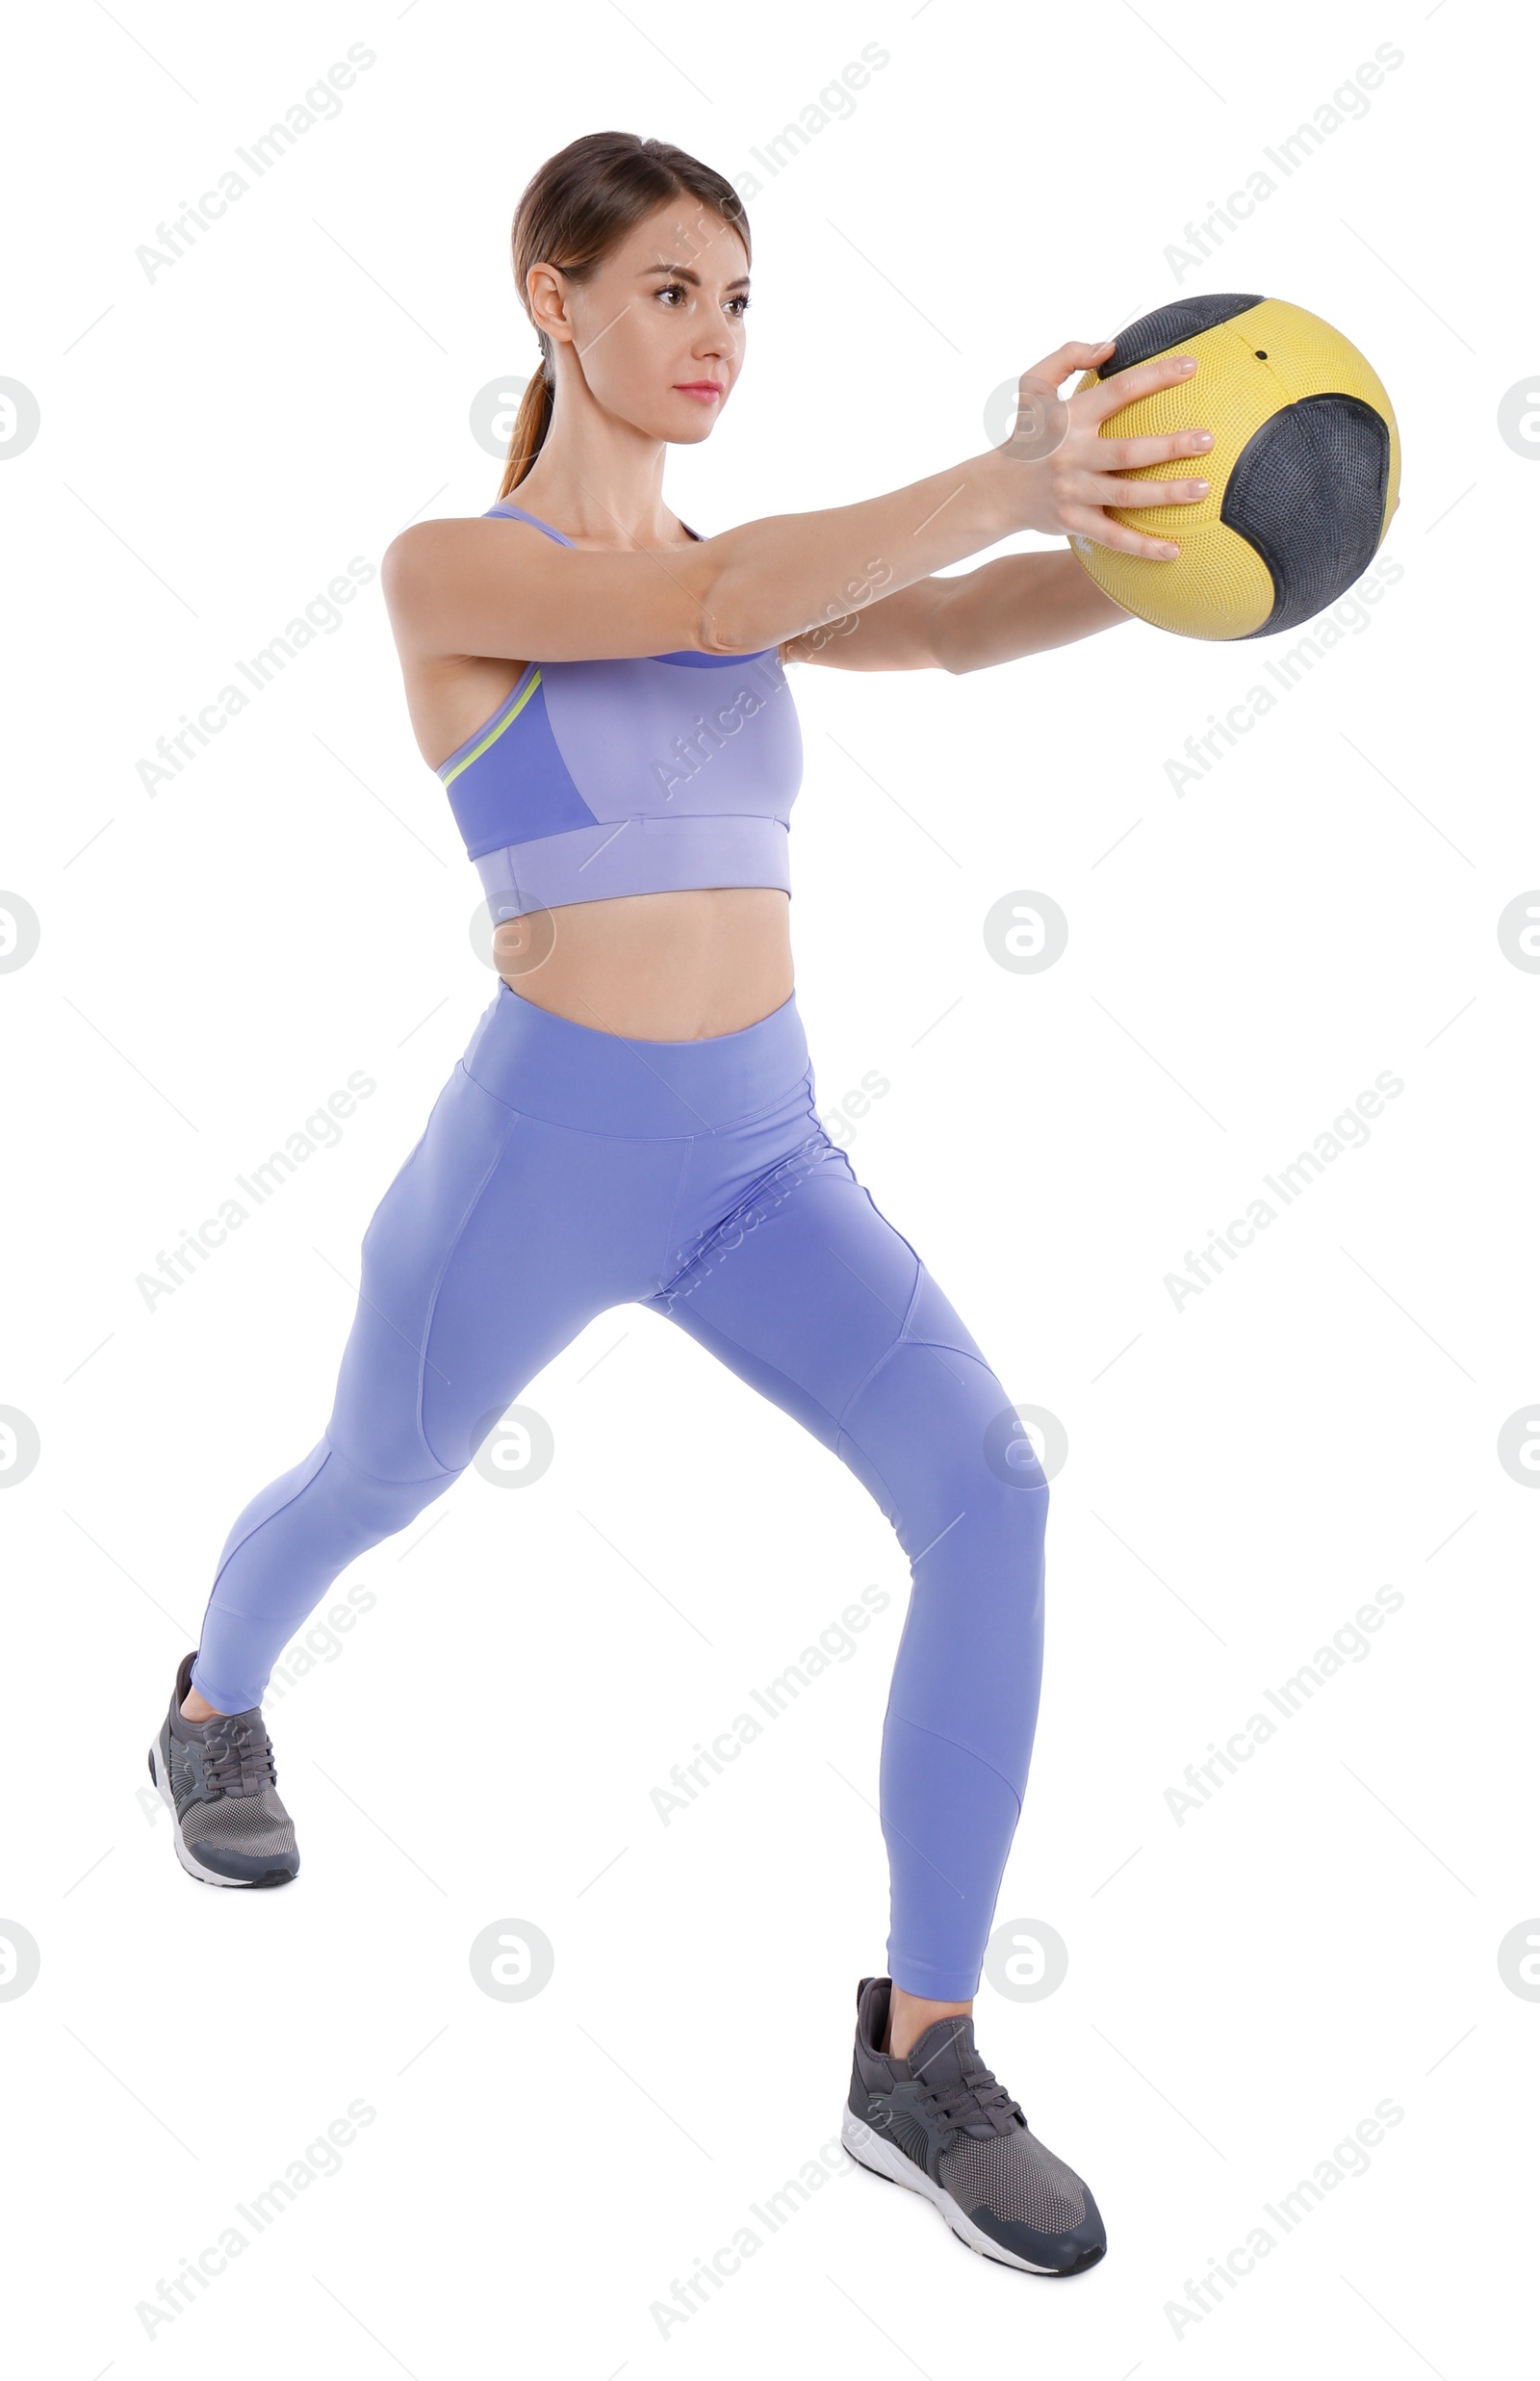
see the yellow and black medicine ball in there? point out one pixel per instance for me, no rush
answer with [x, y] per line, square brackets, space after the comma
[1302, 474]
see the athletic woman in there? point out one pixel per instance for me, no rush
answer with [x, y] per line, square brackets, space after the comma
[602, 692]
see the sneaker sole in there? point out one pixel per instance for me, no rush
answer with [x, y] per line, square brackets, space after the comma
[195, 1867]
[880, 2156]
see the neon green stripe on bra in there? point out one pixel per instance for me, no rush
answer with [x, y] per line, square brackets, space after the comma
[492, 739]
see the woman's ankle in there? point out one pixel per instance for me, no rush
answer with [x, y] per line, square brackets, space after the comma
[195, 1708]
[908, 2016]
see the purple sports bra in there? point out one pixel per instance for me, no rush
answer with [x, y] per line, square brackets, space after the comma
[593, 779]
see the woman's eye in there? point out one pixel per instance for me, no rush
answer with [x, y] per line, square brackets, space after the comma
[676, 289]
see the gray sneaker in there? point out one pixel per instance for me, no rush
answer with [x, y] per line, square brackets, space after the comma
[218, 1779]
[938, 2123]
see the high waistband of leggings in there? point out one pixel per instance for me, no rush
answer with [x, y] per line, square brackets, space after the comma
[546, 1066]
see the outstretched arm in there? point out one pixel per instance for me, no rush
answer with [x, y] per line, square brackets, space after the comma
[500, 588]
[1020, 604]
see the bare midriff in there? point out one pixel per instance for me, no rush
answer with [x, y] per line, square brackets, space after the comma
[661, 966]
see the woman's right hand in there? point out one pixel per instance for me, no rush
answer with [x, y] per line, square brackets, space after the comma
[1065, 491]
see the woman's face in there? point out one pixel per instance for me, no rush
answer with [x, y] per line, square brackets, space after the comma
[659, 330]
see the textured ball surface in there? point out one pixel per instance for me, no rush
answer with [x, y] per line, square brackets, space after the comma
[1302, 474]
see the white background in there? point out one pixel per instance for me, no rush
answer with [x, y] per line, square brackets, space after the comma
[216, 444]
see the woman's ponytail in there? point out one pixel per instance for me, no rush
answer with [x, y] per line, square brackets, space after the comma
[529, 427]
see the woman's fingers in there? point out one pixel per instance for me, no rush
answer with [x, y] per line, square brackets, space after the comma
[1133, 453]
[1075, 355]
[1085, 466]
[1102, 531]
[1097, 488]
[1110, 396]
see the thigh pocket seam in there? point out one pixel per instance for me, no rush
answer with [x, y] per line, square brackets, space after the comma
[899, 1339]
[515, 1119]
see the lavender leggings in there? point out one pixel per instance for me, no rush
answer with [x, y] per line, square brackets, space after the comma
[564, 1171]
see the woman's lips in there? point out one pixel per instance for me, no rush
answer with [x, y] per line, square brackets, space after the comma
[705, 390]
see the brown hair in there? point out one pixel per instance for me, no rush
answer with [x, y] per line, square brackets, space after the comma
[576, 208]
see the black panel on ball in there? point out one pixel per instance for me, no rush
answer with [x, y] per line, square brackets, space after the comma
[1308, 490]
[1168, 326]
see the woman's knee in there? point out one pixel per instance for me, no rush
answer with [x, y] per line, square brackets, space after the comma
[303, 1528]
[380, 1503]
[936, 1420]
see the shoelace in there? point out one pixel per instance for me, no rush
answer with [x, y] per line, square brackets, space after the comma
[975, 2097]
[240, 1762]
